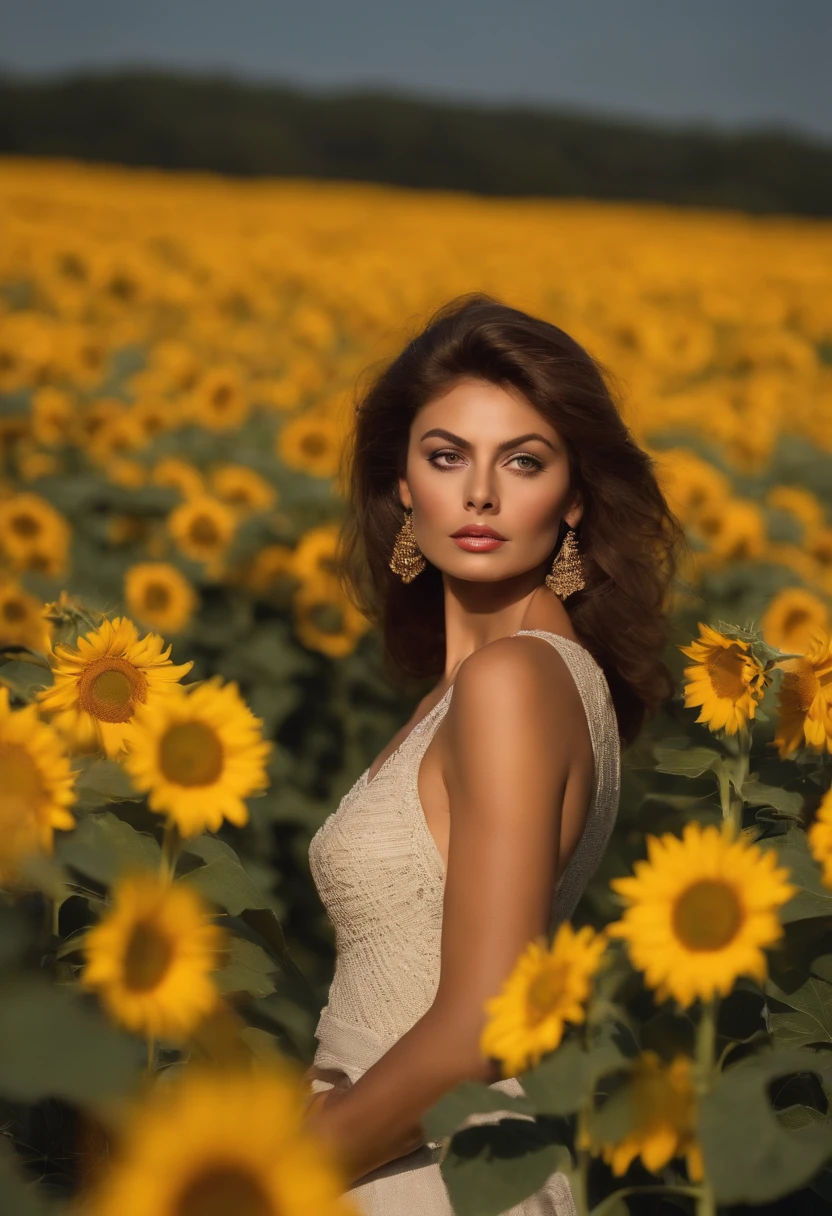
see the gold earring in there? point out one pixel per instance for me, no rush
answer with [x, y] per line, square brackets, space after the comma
[567, 573]
[407, 560]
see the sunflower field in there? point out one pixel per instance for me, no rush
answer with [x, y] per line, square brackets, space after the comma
[186, 693]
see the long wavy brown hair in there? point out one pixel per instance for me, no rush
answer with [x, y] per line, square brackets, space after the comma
[630, 540]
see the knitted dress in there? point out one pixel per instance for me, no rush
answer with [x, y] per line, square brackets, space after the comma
[381, 878]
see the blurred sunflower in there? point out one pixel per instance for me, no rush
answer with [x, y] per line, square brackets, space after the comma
[95, 415]
[325, 619]
[153, 415]
[804, 699]
[310, 443]
[219, 400]
[150, 958]
[32, 463]
[52, 411]
[117, 436]
[820, 838]
[37, 786]
[547, 987]
[122, 471]
[33, 534]
[663, 1107]
[241, 487]
[315, 553]
[98, 685]
[220, 1141]
[160, 596]
[791, 616]
[800, 503]
[269, 565]
[199, 755]
[179, 475]
[22, 622]
[734, 530]
[202, 529]
[726, 680]
[700, 910]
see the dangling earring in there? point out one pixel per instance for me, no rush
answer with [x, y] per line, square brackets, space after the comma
[407, 560]
[567, 573]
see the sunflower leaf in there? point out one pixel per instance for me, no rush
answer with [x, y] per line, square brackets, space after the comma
[489, 1169]
[470, 1098]
[222, 879]
[755, 793]
[249, 969]
[106, 781]
[749, 1156]
[103, 846]
[813, 899]
[686, 762]
[561, 1082]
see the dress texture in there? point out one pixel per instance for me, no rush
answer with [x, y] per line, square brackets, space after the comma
[381, 878]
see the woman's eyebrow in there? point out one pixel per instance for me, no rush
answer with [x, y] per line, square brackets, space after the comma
[463, 443]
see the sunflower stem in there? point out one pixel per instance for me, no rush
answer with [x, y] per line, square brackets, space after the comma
[704, 1074]
[171, 848]
[151, 1055]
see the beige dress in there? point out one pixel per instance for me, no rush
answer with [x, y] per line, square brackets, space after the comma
[381, 879]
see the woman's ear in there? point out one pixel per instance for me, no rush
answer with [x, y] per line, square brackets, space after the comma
[404, 494]
[574, 515]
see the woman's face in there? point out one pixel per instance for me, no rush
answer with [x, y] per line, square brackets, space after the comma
[471, 460]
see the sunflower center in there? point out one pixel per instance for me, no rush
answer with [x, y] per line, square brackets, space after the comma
[14, 611]
[156, 597]
[223, 1189]
[221, 396]
[795, 619]
[313, 445]
[25, 525]
[725, 671]
[545, 992]
[204, 531]
[707, 915]
[804, 683]
[110, 687]
[147, 958]
[191, 754]
[21, 787]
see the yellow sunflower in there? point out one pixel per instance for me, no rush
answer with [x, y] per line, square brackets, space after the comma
[802, 504]
[804, 700]
[98, 685]
[219, 401]
[548, 987]
[154, 415]
[791, 616]
[310, 443]
[202, 529]
[700, 910]
[52, 410]
[160, 596]
[22, 622]
[820, 838]
[150, 958]
[215, 1142]
[315, 553]
[33, 534]
[726, 680]
[269, 565]
[325, 619]
[179, 475]
[241, 487]
[37, 786]
[199, 755]
[663, 1106]
[734, 530]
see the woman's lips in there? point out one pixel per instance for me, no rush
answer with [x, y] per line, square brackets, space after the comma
[477, 544]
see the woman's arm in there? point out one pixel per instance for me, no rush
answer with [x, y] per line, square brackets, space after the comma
[511, 727]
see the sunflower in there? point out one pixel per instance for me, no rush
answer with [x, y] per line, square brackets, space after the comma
[32, 464]
[122, 471]
[159, 595]
[310, 443]
[179, 475]
[820, 838]
[726, 680]
[734, 530]
[802, 504]
[37, 785]
[33, 534]
[22, 622]
[791, 616]
[98, 685]
[315, 553]
[547, 987]
[243, 488]
[219, 401]
[198, 755]
[269, 565]
[700, 910]
[804, 701]
[154, 415]
[202, 528]
[220, 1141]
[325, 620]
[52, 410]
[117, 436]
[151, 956]
[662, 1101]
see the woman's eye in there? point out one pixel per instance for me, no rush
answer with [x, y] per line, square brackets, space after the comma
[533, 465]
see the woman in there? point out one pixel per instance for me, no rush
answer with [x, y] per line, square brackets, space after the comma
[480, 824]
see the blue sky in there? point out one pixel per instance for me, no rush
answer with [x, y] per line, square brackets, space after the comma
[726, 63]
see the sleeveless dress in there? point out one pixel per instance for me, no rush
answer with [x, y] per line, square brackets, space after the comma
[381, 877]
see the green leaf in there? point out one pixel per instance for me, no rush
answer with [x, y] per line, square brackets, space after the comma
[106, 781]
[220, 877]
[749, 1156]
[467, 1099]
[797, 1116]
[813, 999]
[56, 1046]
[688, 762]
[249, 969]
[561, 1082]
[103, 847]
[491, 1168]
[755, 793]
[793, 852]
